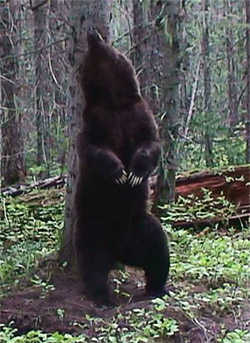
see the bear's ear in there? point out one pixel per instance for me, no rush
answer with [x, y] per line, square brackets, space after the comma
[94, 37]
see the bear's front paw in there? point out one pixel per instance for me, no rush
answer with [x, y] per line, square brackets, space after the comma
[134, 180]
[122, 179]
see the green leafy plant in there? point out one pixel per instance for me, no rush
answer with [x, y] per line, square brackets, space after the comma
[29, 232]
[209, 272]
[9, 335]
[194, 208]
[44, 285]
[236, 336]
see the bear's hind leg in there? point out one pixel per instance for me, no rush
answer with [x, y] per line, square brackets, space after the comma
[94, 266]
[94, 259]
[147, 248]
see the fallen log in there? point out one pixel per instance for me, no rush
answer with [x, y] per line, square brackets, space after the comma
[237, 221]
[58, 181]
[233, 183]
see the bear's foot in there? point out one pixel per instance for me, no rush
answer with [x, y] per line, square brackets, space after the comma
[156, 293]
[102, 300]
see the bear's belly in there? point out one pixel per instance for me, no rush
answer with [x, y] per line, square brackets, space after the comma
[111, 202]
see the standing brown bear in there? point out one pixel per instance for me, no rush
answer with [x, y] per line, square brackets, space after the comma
[118, 149]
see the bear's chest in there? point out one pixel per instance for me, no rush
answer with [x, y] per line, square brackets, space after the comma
[119, 132]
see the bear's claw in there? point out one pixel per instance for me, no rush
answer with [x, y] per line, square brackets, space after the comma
[134, 180]
[122, 179]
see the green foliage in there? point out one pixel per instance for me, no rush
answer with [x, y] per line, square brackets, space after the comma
[212, 258]
[141, 325]
[225, 26]
[137, 325]
[29, 233]
[236, 336]
[9, 335]
[226, 150]
[44, 285]
[193, 208]
[208, 273]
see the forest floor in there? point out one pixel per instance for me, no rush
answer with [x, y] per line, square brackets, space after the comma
[41, 301]
[66, 309]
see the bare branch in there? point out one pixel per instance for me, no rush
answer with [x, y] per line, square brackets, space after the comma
[35, 7]
[36, 51]
[190, 112]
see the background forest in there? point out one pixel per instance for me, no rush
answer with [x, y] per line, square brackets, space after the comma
[204, 63]
[192, 58]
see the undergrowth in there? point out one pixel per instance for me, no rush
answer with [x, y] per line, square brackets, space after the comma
[31, 228]
[210, 273]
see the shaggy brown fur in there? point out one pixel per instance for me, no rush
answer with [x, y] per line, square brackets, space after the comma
[118, 149]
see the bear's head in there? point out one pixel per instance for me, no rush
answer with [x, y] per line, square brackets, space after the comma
[108, 78]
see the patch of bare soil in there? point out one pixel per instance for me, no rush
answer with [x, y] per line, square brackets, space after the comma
[31, 309]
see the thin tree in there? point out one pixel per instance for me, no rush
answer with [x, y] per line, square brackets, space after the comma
[12, 159]
[171, 118]
[232, 89]
[84, 14]
[207, 84]
[248, 81]
[148, 52]
[40, 16]
[142, 53]
[58, 66]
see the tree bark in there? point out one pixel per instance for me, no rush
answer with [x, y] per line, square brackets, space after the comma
[142, 50]
[12, 157]
[149, 51]
[171, 82]
[232, 89]
[207, 85]
[58, 67]
[42, 81]
[248, 82]
[84, 14]
[156, 57]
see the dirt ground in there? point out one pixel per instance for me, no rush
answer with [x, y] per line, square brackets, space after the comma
[30, 309]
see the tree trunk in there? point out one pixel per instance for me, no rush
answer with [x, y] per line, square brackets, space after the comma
[207, 85]
[232, 89]
[42, 81]
[248, 82]
[58, 66]
[149, 51]
[171, 118]
[84, 14]
[156, 57]
[142, 50]
[12, 158]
